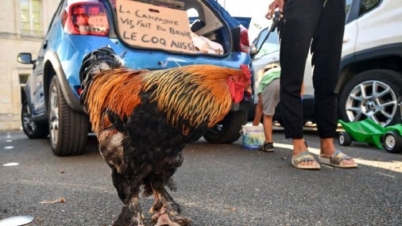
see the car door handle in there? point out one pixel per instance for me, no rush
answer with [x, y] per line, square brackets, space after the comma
[345, 40]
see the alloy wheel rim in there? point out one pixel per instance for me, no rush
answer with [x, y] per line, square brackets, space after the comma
[372, 99]
[28, 124]
[54, 116]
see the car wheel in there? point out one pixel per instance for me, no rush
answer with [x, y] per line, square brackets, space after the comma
[68, 128]
[372, 94]
[392, 142]
[32, 129]
[344, 139]
[228, 130]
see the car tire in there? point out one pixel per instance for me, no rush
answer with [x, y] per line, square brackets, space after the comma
[32, 130]
[68, 128]
[344, 139]
[355, 105]
[392, 142]
[228, 130]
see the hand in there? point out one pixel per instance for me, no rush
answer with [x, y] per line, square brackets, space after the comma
[272, 7]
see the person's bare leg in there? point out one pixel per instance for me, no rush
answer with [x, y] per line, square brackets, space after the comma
[299, 146]
[258, 111]
[267, 122]
[328, 149]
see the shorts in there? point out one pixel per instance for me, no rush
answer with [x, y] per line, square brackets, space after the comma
[270, 97]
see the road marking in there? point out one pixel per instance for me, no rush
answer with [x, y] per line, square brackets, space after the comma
[395, 166]
[387, 175]
[11, 164]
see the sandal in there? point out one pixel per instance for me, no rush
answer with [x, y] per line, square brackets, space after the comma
[336, 160]
[304, 157]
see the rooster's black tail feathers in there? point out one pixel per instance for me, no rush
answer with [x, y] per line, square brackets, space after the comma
[99, 60]
[96, 61]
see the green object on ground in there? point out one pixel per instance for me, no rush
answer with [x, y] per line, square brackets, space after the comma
[369, 131]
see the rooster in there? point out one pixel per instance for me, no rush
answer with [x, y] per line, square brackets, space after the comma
[143, 120]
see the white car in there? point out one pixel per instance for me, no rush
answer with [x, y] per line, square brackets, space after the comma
[371, 68]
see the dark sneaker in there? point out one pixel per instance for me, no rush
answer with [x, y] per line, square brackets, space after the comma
[267, 147]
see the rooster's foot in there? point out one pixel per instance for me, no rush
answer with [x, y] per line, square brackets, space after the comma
[130, 216]
[169, 218]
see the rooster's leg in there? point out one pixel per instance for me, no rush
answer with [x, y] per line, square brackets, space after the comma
[130, 214]
[121, 184]
[162, 198]
[112, 151]
[127, 185]
[167, 210]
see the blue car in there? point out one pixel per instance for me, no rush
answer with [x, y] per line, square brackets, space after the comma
[51, 105]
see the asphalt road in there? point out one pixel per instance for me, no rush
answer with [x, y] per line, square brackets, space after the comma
[217, 185]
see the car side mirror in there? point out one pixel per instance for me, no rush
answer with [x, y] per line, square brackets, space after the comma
[24, 58]
[258, 42]
[253, 50]
[263, 35]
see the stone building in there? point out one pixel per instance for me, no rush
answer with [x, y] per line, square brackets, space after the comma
[23, 24]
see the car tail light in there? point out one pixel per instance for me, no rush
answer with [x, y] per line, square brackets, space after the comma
[86, 18]
[79, 90]
[244, 42]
